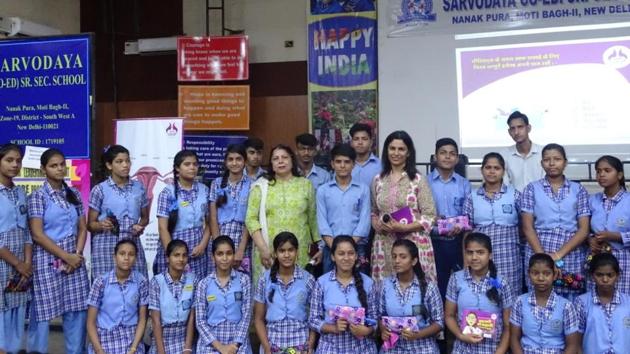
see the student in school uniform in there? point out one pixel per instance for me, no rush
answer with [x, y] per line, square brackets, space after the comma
[407, 294]
[367, 165]
[449, 190]
[610, 216]
[119, 209]
[343, 207]
[117, 305]
[254, 149]
[344, 286]
[170, 303]
[281, 302]
[60, 281]
[16, 251]
[556, 217]
[223, 305]
[604, 313]
[478, 289]
[305, 150]
[493, 209]
[228, 206]
[183, 214]
[542, 321]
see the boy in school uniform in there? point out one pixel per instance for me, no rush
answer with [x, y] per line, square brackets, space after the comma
[366, 165]
[254, 148]
[343, 206]
[306, 148]
[449, 193]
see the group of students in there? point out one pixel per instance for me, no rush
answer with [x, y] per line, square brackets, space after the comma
[421, 274]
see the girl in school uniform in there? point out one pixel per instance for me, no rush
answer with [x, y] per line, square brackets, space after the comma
[60, 281]
[344, 286]
[493, 209]
[228, 205]
[170, 303]
[475, 290]
[610, 216]
[408, 294]
[117, 305]
[223, 304]
[281, 302]
[183, 214]
[16, 250]
[119, 209]
[542, 321]
[604, 313]
[555, 216]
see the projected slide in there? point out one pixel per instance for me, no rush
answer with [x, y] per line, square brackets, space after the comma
[574, 92]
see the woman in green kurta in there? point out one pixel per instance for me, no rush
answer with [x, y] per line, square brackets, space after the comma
[289, 206]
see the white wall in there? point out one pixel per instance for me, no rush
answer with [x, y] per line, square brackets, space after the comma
[60, 14]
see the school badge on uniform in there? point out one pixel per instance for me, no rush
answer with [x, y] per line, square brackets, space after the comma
[23, 209]
[211, 298]
[507, 208]
[621, 222]
[626, 321]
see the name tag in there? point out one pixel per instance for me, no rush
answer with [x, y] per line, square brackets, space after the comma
[184, 204]
[211, 298]
[238, 296]
[507, 208]
[188, 287]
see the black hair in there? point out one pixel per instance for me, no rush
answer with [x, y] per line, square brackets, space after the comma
[493, 155]
[108, 157]
[541, 258]
[343, 150]
[173, 215]
[446, 141]
[278, 241]
[126, 241]
[604, 259]
[231, 149]
[361, 127]
[44, 159]
[486, 242]
[612, 161]
[222, 240]
[417, 269]
[254, 143]
[410, 163]
[517, 115]
[358, 280]
[175, 244]
[271, 174]
[6, 148]
[557, 147]
[306, 139]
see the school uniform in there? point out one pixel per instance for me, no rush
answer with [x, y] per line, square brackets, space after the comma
[14, 235]
[605, 328]
[223, 313]
[498, 217]
[192, 208]
[118, 306]
[470, 294]
[544, 328]
[126, 204]
[327, 294]
[317, 176]
[393, 301]
[366, 171]
[556, 222]
[231, 215]
[57, 293]
[343, 212]
[286, 317]
[173, 299]
[613, 214]
[449, 196]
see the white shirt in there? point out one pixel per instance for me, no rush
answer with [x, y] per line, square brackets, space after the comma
[522, 170]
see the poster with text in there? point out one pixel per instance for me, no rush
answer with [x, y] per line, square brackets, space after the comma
[211, 152]
[212, 58]
[216, 107]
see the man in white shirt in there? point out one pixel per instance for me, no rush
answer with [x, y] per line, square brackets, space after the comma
[522, 159]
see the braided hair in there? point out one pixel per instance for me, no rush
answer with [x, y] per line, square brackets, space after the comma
[412, 249]
[44, 159]
[173, 215]
[358, 279]
[278, 242]
[231, 149]
[485, 242]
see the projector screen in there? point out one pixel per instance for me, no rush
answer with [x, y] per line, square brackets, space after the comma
[575, 92]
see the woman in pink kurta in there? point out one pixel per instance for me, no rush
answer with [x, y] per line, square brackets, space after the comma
[400, 185]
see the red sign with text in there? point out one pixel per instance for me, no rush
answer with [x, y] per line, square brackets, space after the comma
[212, 58]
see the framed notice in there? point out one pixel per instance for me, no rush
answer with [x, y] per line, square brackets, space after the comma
[212, 58]
[214, 107]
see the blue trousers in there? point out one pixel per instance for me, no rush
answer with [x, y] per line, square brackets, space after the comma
[449, 258]
[12, 329]
[74, 333]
